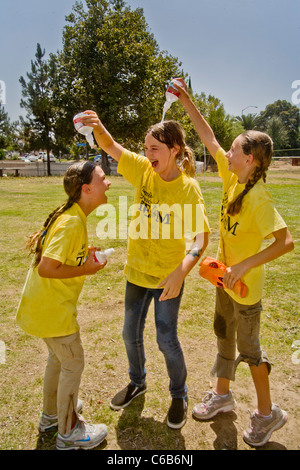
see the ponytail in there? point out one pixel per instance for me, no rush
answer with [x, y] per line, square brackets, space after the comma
[186, 160]
[75, 176]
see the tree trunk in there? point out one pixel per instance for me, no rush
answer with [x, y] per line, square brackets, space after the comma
[48, 163]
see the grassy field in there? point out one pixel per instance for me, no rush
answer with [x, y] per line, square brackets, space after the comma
[24, 205]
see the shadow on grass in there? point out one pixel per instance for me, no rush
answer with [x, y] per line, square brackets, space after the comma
[135, 432]
[227, 435]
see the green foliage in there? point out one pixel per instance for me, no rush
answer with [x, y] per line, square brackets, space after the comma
[6, 131]
[111, 63]
[38, 100]
[285, 129]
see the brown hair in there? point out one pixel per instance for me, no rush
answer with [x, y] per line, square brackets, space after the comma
[260, 145]
[76, 175]
[171, 133]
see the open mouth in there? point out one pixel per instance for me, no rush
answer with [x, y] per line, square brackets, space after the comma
[154, 163]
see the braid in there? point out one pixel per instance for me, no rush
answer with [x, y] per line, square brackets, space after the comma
[234, 207]
[260, 146]
[76, 175]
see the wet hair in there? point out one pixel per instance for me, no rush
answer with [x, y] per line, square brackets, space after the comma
[260, 145]
[171, 133]
[76, 175]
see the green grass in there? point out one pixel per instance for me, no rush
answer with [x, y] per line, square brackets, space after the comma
[24, 205]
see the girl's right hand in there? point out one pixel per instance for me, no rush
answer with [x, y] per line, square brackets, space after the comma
[91, 119]
[91, 266]
[182, 88]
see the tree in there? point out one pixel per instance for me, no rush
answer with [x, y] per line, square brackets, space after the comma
[249, 121]
[39, 102]
[276, 129]
[111, 63]
[4, 128]
[290, 119]
[9, 132]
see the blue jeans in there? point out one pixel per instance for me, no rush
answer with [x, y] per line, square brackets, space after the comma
[137, 301]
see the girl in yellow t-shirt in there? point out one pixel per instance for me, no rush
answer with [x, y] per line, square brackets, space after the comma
[248, 216]
[48, 305]
[168, 204]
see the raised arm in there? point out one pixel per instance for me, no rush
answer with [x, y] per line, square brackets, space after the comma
[102, 136]
[202, 127]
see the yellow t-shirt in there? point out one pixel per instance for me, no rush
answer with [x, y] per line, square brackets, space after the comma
[48, 306]
[164, 214]
[242, 235]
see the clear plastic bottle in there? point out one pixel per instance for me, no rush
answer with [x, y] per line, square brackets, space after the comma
[171, 96]
[84, 130]
[101, 256]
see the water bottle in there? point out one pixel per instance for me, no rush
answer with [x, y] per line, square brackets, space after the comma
[101, 256]
[84, 130]
[171, 96]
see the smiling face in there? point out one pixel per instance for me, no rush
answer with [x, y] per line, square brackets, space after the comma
[161, 157]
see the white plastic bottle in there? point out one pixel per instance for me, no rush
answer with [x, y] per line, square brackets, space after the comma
[171, 96]
[84, 130]
[101, 256]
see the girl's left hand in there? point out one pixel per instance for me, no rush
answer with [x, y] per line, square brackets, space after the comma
[172, 285]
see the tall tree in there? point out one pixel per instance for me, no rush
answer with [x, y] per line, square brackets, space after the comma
[290, 119]
[111, 63]
[38, 100]
[278, 132]
[249, 121]
[5, 128]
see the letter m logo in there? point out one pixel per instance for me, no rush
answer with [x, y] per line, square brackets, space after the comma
[232, 228]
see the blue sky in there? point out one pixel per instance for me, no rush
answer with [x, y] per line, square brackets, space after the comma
[244, 52]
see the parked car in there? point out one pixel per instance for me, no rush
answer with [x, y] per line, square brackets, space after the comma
[97, 158]
[33, 158]
[52, 158]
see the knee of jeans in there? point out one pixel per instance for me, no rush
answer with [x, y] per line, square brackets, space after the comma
[167, 343]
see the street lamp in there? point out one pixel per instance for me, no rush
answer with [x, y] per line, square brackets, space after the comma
[247, 108]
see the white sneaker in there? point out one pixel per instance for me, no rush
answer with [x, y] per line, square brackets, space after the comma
[83, 436]
[261, 428]
[213, 404]
[49, 422]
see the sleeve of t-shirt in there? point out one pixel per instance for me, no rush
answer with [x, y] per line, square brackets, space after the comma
[222, 163]
[195, 216]
[132, 166]
[268, 220]
[63, 243]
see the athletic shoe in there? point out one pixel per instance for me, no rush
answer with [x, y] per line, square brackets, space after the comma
[177, 414]
[49, 422]
[261, 427]
[213, 404]
[83, 436]
[125, 396]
